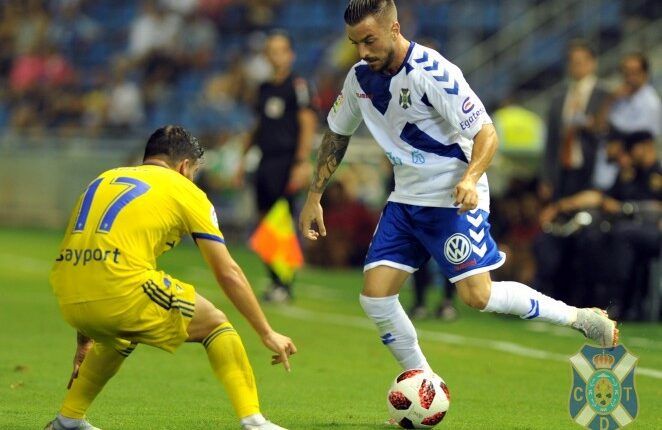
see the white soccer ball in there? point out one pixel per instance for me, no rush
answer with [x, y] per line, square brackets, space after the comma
[418, 399]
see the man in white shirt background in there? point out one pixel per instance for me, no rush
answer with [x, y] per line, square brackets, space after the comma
[637, 106]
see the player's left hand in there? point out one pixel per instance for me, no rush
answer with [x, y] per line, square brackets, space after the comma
[282, 346]
[83, 346]
[466, 195]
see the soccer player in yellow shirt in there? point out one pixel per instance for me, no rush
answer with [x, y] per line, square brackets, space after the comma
[109, 289]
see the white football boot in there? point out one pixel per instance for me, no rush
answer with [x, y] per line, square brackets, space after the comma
[57, 425]
[268, 425]
[595, 324]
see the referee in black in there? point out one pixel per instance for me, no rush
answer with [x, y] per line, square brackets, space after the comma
[284, 133]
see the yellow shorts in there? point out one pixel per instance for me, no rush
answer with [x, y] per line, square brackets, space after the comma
[156, 313]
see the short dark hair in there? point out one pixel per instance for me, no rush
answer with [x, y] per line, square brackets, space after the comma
[643, 60]
[358, 10]
[175, 143]
[582, 45]
[637, 137]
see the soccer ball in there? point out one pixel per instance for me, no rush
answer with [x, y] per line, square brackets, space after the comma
[418, 400]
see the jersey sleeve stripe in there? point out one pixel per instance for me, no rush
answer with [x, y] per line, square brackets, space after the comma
[207, 236]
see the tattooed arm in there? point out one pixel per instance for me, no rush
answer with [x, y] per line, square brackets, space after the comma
[329, 157]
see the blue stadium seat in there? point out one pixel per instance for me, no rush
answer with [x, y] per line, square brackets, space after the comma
[611, 15]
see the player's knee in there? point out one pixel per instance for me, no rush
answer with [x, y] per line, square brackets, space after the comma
[476, 296]
[217, 318]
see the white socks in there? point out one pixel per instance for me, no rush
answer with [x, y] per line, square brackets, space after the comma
[396, 330]
[510, 297]
[398, 333]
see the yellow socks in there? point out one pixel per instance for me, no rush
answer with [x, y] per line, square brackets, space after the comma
[100, 364]
[226, 354]
[230, 364]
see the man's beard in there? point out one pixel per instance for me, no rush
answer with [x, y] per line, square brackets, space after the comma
[387, 62]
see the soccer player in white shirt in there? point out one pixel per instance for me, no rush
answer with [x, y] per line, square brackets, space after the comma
[440, 140]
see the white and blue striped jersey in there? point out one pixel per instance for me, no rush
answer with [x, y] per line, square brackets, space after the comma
[425, 117]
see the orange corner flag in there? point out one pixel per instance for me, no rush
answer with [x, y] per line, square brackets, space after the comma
[276, 243]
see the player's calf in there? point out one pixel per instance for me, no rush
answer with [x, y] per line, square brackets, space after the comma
[396, 331]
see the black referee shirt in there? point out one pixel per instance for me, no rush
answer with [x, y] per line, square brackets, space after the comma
[277, 132]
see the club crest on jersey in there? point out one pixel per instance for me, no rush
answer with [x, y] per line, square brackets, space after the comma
[457, 248]
[417, 157]
[405, 98]
[603, 396]
[339, 101]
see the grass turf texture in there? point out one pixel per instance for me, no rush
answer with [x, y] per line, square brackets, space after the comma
[339, 377]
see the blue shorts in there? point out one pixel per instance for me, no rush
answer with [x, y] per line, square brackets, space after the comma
[408, 235]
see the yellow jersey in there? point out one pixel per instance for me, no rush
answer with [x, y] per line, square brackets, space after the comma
[123, 221]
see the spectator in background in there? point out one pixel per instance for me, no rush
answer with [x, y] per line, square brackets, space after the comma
[637, 105]
[181, 7]
[8, 22]
[632, 209]
[327, 88]
[71, 30]
[42, 89]
[198, 42]
[516, 227]
[214, 9]
[60, 87]
[125, 109]
[154, 30]
[260, 14]
[31, 25]
[572, 127]
[284, 133]
[256, 67]
[218, 108]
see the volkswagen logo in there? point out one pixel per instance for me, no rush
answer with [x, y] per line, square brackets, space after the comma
[457, 248]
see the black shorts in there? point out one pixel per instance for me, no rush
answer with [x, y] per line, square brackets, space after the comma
[272, 176]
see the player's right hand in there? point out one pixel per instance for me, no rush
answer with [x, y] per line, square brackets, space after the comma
[83, 346]
[312, 212]
[466, 196]
[282, 346]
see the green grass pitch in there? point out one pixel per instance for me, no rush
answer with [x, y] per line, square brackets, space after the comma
[503, 373]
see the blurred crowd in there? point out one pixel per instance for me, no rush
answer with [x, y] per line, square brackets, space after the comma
[585, 226]
[588, 228]
[72, 67]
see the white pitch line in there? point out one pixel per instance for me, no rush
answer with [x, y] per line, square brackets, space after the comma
[38, 264]
[541, 327]
[503, 346]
